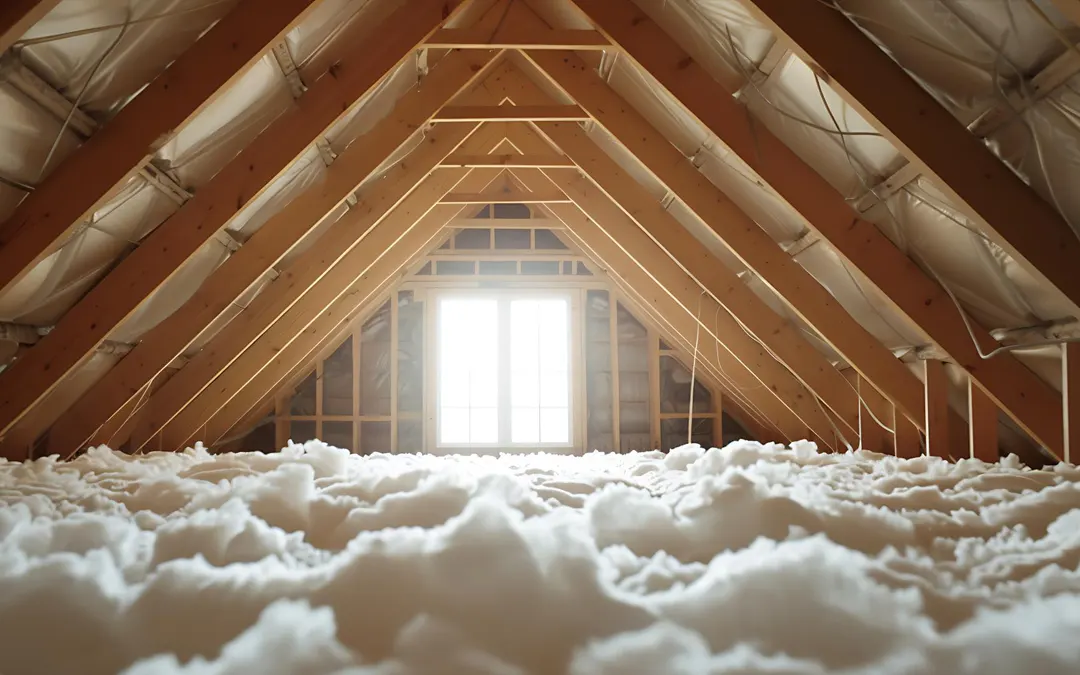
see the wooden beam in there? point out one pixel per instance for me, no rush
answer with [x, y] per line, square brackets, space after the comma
[511, 113]
[81, 184]
[19, 16]
[937, 409]
[546, 161]
[897, 106]
[782, 339]
[1070, 395]
[1029, 400]
[507, 37]
[507, 223]
[982, 425]
[505, 197]
[307, 286]
[872, 436]
[215, 203]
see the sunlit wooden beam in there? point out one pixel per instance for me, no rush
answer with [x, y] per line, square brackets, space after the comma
[511, 38]
[505, 197]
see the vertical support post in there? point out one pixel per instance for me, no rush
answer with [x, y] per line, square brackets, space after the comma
[281, 411]
[613, 306]
[871, 436]
[936, 385]
[654, 390]
[1070, 399]
[319, 381]
[905, 436]
[718, 418]
[577, 370]
[394, 332]
[356, 387]
[982, 424]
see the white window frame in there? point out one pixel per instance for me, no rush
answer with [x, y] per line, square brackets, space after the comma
[503, 297]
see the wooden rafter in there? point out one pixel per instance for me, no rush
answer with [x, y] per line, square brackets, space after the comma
[334, 261]
[400, 238]
[977, 181]
[1032, 403]
[510, 113]
[681, 328]
[268, 244]
[18, 16]
[330, 265]
[504, 197]
[72, 192]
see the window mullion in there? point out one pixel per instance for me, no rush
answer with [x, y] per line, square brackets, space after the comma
[504, 369]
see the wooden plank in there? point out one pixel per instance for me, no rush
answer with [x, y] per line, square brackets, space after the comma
[546, 161]
[79, 185]
[781, 337]
[937, 408]
[330, 263]
[654, 388]
[1070, 395]
[507, 223]
[1029, 400]
[510, 38]
[511, 113]
[505, 197]
[897, 106]
[613, 364]
[982, 425]
[19, 16]
[718, 419]
[268, 244]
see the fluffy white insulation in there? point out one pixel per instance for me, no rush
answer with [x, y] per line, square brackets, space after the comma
[747, 559]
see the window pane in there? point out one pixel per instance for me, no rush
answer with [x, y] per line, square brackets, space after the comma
[454, 385]
[554, 390]
[524, 389]
[525, 425]
[454, 425]
[483, 388]
[554, 425]
[484, 427]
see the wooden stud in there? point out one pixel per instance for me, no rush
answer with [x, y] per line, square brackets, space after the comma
[19, 16]
[937, 409]
[82, 183]
[983, 425]
[282, 427]
[511, 113]
[654, 388]
[394, 333]
[872, 436]
[906, 437]
[718, 419]
[548, 161]
[509, 38]
[169, 338]
[895, 104]
[319, 375]
[357, 352]
[1070, 395]
[613, 355]
[1029, 400]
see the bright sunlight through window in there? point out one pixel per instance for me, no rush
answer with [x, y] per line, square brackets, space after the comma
[504, 370]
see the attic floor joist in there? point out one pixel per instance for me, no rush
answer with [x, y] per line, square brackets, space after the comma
[1031, 402]
[453, 74]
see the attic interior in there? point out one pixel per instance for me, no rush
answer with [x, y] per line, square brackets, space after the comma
[539, 336]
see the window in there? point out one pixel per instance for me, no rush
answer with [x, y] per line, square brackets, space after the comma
[503, 370]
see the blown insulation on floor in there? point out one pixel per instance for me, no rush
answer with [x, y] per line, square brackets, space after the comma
[747, 559]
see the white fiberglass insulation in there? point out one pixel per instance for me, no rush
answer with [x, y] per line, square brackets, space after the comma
[750, 559]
